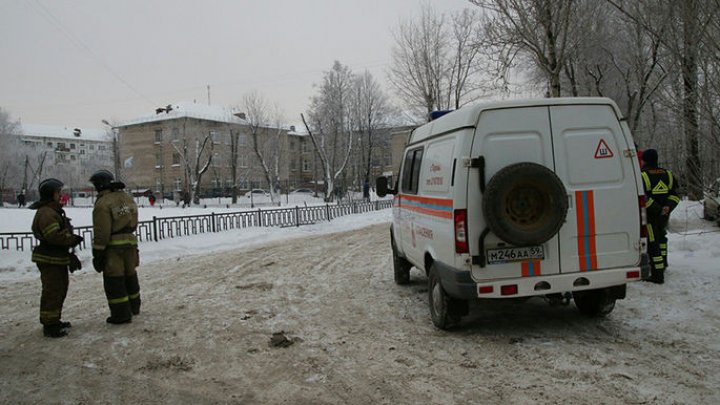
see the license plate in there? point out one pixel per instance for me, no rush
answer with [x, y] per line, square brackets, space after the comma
[518, 254]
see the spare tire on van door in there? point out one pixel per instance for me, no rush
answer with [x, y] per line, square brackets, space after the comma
[525, 204]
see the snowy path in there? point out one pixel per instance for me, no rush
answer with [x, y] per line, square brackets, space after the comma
[207, 320]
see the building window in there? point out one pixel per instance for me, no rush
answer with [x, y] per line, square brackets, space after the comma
[49, 144]
[72, 157]
[177, 183]
[215, 137]
[242, 139]
[158, 160]
[92, 147]
[176, 159]
[306, 165]
[72, 146]
[158, 136]
[100, 147]
[61, 145]
[242, 160]
[175, 134]
[82, 151]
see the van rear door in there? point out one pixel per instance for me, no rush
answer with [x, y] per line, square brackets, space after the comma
[504, 137]
[603, 224]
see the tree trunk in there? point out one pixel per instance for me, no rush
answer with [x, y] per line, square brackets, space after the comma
[690, 98]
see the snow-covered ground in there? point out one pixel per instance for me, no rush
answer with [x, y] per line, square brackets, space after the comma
[206, 330]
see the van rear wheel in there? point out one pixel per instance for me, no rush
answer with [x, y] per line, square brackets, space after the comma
[594, 302]
[445, 311]
[525, 204]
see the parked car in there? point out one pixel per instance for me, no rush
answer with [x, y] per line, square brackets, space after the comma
[257, 192]
[711, 202]
[303, 191]
[519, 199]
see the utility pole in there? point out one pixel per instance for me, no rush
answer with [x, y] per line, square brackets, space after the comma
[208, 89]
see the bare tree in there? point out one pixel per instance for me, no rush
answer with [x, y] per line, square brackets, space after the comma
[330, 128]
[268, 138]
[690, 31]
[370, 111]
[9, 148]
[540, 30]
[195, 168]
[434, 63]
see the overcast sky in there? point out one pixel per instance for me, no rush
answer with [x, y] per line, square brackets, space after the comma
[74, 63]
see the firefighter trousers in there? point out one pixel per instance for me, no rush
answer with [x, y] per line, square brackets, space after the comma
[120, 281]
[55, 283]
[657, 247]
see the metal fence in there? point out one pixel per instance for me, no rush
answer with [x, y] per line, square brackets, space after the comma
[174, 227]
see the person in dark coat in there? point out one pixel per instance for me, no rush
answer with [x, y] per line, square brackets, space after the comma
[52, 255]
[21, 199]
[661, 198]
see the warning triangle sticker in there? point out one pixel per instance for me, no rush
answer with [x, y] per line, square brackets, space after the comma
[660, 188]
[603, 150]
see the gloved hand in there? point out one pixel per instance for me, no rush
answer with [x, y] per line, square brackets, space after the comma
[99, 260]
[77, 240]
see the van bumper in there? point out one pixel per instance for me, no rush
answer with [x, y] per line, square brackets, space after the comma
[456, 283]
[557, 283]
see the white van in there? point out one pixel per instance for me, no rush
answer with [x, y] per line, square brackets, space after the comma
[519, 199]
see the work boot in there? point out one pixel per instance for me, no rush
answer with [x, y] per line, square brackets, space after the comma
[65, 325]
[118, 321]
[54, 331]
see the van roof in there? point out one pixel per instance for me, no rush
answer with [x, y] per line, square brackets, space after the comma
[467, 116]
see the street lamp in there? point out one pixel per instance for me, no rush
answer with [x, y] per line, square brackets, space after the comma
[116, 149]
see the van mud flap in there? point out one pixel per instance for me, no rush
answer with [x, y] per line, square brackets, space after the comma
[480, 260]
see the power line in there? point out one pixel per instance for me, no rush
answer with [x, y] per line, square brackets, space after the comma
[50, 17]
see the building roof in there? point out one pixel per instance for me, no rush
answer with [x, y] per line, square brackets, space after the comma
[190, 110]
[50, 131]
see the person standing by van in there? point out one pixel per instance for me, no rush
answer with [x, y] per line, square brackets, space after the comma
[661, 199]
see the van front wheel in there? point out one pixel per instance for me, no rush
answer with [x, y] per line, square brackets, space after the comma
[444, 310]
[594, 302]
[401, 267]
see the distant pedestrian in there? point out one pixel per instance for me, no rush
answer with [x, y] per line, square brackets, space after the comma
[366, 190]
[21, 199]
[186, 199]
[661, 200]
[64, 199]
[52, 255]
[151, 198]
[176, 197]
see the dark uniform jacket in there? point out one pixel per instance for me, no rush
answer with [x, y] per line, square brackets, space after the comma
[52, 228]
[660, 190]
[115, 218]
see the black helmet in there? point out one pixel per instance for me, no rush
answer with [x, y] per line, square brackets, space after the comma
[101, 179]
[48, 187]
[650, 157]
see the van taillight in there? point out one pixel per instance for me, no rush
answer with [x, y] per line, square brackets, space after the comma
[461, 244]
[643, 217]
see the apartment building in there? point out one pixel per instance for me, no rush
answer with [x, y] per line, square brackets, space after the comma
[70, 154]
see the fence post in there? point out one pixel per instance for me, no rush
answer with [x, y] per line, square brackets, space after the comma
[327, 212]
[214, 229]
[155, 230]
[297, 216]
[260, 217]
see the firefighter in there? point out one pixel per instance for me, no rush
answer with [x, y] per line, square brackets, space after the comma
[115, 250]
[661, 200]
[52, 255]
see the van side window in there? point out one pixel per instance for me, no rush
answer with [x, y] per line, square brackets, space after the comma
[411, 171]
